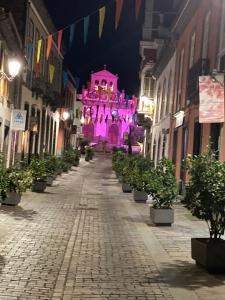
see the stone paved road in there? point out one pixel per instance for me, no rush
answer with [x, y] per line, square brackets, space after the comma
[85, 239]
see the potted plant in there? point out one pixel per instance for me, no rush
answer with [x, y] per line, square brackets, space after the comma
[89, 153]
[137, 180]
[205, 198]
[50, 167]
[117, 163]
[38, 171]
[14, 182]
[128, 165]
[161, 185]
[83, 143]
[76, 158]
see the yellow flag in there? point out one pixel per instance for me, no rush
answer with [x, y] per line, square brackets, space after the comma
[101, 20]
[51, 72]
[39, 50]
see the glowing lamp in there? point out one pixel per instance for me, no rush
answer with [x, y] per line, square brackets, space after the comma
[65, 115]
[14, 66]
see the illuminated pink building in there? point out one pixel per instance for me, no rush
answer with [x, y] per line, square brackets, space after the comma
[107, 115]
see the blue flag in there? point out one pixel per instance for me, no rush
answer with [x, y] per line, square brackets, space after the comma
[72, 32]
[86, 26]
[65, 78]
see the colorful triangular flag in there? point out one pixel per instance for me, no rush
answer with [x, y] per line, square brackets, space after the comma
[72, 32]
[39, 50]
[119, 7]
[51, 72]
[49, 46]
[86, 26]
[137, 7]
[60, 33]
[101, 20]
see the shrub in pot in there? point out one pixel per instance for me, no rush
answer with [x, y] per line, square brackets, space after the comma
[127, 165]
[50, 168]
[76, 158]
[83, 143]
[89, 153]
[38, 171]
[141, 165]
[118, 159]
[161, 184]
[205, 198]
[14, 182]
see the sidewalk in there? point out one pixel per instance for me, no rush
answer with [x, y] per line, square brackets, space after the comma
[85, 239]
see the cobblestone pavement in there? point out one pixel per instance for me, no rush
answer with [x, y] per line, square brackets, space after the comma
[85, 239]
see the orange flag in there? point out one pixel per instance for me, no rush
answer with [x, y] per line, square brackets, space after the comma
[137, 7]
[101, 20]
[119, 7]
[49, 46]
[60, 33]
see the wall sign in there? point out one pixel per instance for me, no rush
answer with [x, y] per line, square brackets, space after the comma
[18, 120]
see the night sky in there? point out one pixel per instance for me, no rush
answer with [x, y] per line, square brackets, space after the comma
[119, 50]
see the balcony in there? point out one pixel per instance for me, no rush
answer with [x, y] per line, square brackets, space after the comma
[200, 68]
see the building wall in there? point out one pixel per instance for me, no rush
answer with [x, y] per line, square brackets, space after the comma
[182, 103]
[163, 99]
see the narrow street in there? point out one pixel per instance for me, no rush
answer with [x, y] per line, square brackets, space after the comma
[85, 239]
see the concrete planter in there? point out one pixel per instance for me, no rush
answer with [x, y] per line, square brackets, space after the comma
[76, 163]
[210, 255]
[126, 188]
[162, 217]
[13, 199]
[39, 186]
[140, 196]
[50, 180]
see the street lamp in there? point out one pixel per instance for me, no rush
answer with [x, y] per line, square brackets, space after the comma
[65, 115]
[14, 67]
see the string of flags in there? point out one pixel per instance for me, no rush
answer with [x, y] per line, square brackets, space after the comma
[86, 21]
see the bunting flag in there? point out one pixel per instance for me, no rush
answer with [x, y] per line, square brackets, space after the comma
[106, 119]
[85, 110]
[99, 93]
[65, 79]
[97, 109]
[119, 7]
[101, 119]
[137, 7]
[96, 119]
[86, 25]
[49, 46]
[101, 20]
[72, 32]
[104, 108]
[39, 50]
[60, 34]
[51, 72]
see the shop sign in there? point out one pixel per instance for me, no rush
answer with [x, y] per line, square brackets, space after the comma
[179, 118]
[211, 98]
[18, 120]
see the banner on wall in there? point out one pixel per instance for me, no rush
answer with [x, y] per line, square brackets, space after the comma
[18, 119]
[211, 99]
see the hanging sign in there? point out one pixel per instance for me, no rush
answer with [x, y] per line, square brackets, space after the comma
[18, 119]
[211, 98]
[179, 116]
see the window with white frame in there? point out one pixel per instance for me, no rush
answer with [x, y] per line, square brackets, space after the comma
[168, 93]
[180, 78]
[205, 37]
[192, 50]
[163, 101]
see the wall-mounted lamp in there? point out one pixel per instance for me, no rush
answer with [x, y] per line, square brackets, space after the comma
[65, 115]
[14, 67]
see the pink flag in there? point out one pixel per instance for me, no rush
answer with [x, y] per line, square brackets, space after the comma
[60, 33]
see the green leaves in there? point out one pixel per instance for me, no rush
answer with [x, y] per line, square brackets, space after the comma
[205, 193]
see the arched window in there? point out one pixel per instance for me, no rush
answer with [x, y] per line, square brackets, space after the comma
[158, 104]
[168, 93]
[159, 149]
[163, 101]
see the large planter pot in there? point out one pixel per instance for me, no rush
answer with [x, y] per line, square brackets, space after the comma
[39, 186]
[50, 180]
[162, 217]
[59, 171]
[76, 163]
[210, 255]
[13, 199]
[87, 158]
[140, 196]
[126, 188]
